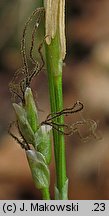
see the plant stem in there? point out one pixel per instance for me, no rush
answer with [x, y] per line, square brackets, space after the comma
[45, 194]
[54, 69]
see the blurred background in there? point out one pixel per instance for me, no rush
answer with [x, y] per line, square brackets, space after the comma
[85, 78]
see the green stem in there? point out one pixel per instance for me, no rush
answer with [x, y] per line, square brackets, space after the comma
[54, 69]
[45, 194]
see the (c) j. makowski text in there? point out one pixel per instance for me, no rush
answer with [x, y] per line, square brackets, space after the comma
[50, 207]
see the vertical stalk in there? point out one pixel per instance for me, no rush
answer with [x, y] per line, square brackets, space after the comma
[45, 194]
[54, 70]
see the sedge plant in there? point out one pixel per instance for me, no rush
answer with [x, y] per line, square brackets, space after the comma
[36, 135]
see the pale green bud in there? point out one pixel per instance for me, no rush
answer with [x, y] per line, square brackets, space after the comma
[24, 125]
[44, 142]
[31, 110]
[39, 169]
